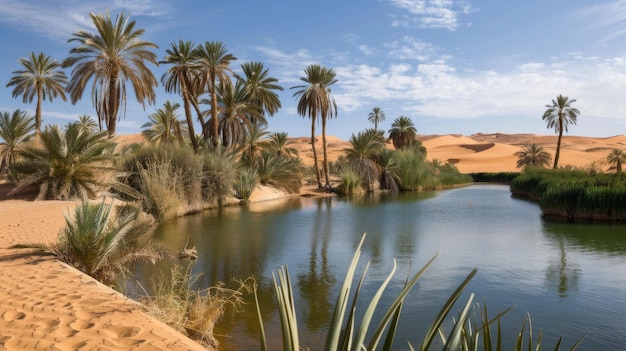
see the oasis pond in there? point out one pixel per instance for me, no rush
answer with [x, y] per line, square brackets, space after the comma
[570, 278]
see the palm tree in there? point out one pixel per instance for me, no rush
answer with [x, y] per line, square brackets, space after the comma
[376, 116]
[616, 159]
[66, 164]
[402, 132]
[533, 155]
[363, 154]
[15, 130]
[315, 98]
[179, 78]
[279, 143]
[109, 58]
[213, 62]
[41, 78]
[558, 116]
[256, 140]
[237, 113]
[164, 125]
[261, 88]
[88, 123]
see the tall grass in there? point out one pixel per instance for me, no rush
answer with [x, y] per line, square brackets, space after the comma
[350, 182]
[411, 169]
[178, 302]
[574, 194]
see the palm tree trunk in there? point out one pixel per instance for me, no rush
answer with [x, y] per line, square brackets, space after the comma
[326, 177]
[111, 109]
[214, 122]
[315, 166]
[558, 145]
[194, 103]
[38, 112]
[192, 133]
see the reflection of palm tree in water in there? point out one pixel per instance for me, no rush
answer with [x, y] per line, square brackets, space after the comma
[565, 276]
[316, 284]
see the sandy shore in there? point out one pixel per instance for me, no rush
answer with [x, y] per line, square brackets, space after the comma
[47, 305]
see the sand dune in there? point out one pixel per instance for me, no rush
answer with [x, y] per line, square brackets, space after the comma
[45, 304]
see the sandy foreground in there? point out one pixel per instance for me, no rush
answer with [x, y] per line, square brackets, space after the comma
[47, 305]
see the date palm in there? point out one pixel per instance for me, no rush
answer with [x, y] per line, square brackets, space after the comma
[533, 155]
[279, 143]
[559, 115]
[109, 58]
[402, 132]
[315, 99]
[616, 159]
[237, 113]
[261, 88]
[213, 64]
[179, 79]
[164, 126]
[15, 130]
[40, 78]
[376, 116]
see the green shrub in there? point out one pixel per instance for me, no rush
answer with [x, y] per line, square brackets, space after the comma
[350, 182]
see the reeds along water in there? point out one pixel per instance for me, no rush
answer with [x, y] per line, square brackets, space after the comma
[575, 195]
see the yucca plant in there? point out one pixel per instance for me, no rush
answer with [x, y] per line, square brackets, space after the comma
[66, 164]
[345, 332]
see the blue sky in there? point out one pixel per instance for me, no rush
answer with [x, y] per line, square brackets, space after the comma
[451, 66]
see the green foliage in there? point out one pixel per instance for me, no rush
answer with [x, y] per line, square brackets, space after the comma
[350, 182]
[616, 159]
[499, 177]
[66, 164]
[15, 130]
[574, 194]
[279, 171]
[533, 155]
[363, 155]
[102, 243]
[245, 184]
[413, 172]
[402, 132]
[178, 303]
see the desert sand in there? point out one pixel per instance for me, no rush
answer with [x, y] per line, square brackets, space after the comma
[47, 305]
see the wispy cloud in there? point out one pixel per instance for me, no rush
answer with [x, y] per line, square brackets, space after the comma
[609, 17]
[431, 13]
[57, 21]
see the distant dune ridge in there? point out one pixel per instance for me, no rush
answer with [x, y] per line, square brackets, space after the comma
[488, 152]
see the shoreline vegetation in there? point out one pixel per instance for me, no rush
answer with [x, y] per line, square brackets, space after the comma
[261, 193]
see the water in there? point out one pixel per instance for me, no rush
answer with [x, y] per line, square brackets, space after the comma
[570, 278]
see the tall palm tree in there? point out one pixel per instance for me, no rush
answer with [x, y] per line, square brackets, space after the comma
[315, 99]
[164, 126]
[533, 155]
[179, 78]
[109, 58]
[261, 87]
[558, 116]
[213, 62]
[402, 132]
[237, 113]
[41, 78]
[376, 116]
[616, 159]
[15, 129]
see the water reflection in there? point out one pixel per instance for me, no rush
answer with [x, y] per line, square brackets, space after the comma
[521, 259]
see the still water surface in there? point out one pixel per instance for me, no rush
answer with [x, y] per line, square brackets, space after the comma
[570, 278]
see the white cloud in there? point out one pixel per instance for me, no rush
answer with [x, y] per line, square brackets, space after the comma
[431, 13]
